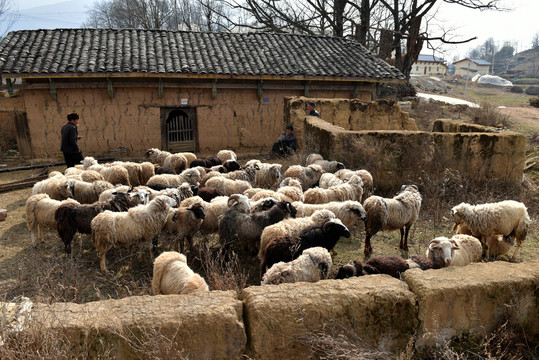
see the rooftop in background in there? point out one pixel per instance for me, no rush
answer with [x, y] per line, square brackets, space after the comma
[82, 52]
[475, 61]
[430, 58]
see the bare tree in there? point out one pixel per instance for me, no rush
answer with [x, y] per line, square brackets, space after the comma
[138, 14]
[7, 16]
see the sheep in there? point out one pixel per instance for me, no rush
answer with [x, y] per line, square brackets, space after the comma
[225, 155]
[136, 226]
[460, 250]
[206, 162]
[308, 176]
[112, 173]
[368, 183]
[183, 223]
[248, 173]
[245, 228]
[398, 213]
[292, 192]
[228, 166]
[139, 174]
[227, 186]
[313, 265]
[268, 175]
[289, 248]
[391, 265]
[189, 156]
[72, 217]
[209, 193]
[328, 180]
[347, 211]
[508, 218]
[109, 193]
[83, 175]
[352, 190]
[57, 187]
[327, 166]
[292, 228]
[40, 209]
[160, 170]
[171, 275]
[87, 193]
[263, 204]
[177, 162]
[179, 193]
[160, 182]
[497, 245]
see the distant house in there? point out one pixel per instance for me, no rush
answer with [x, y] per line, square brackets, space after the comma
[471, 67]
[175, 90]
[429, 65]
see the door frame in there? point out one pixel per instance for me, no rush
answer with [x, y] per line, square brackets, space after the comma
[165, 112]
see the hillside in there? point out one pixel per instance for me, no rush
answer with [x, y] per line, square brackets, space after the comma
[522, 65]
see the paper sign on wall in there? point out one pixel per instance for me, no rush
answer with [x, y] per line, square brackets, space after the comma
[184, 101]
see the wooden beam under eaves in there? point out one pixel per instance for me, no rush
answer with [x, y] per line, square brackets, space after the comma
[306, 88]
[214, 89]
[52, 88]
[110, 89]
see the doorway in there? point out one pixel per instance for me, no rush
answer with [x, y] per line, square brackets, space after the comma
[180, 130]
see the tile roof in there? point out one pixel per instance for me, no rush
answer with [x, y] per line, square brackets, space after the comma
[431, 58]
[79, 51]
[476, 61]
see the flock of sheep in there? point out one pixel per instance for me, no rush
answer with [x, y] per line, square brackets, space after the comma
[291, 220]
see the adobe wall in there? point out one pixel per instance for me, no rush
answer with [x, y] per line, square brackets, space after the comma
[401, 155]
[235, 119]
[270, 322]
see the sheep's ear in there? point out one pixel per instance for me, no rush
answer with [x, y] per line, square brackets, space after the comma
[454, 244]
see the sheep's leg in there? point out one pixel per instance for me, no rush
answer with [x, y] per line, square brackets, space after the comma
[103, 261]
[40, 233]
[517, 250]
[150, 247]
[404, 235]
[34, 237]
[486, 253]
[367, 248]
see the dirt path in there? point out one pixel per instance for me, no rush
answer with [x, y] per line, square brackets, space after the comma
[527, 116]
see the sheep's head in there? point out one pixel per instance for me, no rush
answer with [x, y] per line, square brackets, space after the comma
[198, 210]
[264, 204]
[335, 226]
[356, 181]
[88, 161]
[163, 202]
[231, 165]
[317, 170]
[288, 208]
[312, 158]
[441, 251]
[239, 202]
[346, 271]
[358, 210]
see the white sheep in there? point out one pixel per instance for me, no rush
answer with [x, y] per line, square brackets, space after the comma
[398, 213]
[291, 192]
[225, 155]
[136, 171]
[57, 187]
[83, 175]
[227, 186]
[112, 173]
[177, 162]
[311, 266]
[328, 180]
[269, 174]
[497, 245]
[159, 182]
[138, 225]
[347, 211]
[460, 250]
[351, 190]
[292, 228]
[88, 193]
[40, 209]
[327, 166]
[179, 194]
[171, 275]
[368, 182]
[509, 218]
[308, 176]
[189, 156]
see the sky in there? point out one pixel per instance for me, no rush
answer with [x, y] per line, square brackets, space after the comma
[517, 25]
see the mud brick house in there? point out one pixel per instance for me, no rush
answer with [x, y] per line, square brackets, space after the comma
[175, 90]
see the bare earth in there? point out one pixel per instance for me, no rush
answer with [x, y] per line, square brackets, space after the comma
[526, 116]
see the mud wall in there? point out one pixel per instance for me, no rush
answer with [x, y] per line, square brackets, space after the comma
[375, 313]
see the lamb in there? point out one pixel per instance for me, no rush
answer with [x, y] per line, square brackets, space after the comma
[183, 223]
[328, 180]
[308, 176]
[497, 245]
[352, 190]
[72, 218]
[171, 275]
[391, 265]
[347, 211]
[40, 209]
[227, 186]
[508, 218]
[113, 174]
[136, 226]
[313, 265]
[160, 182]
[327, 166]
[368, 183]
[225, 155]
[292, 228]
[288, 248]
[292, 192]
[177, 162]
[87, 193]
[228, 166]
[398, 213]
[245, 228]
[460, 250]
[57, 187]
[206, 162]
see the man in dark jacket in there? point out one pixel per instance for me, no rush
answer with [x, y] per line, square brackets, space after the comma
[70, 135]
[311, 109]
[286, 144]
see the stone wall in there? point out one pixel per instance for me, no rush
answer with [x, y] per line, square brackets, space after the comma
[376, 313]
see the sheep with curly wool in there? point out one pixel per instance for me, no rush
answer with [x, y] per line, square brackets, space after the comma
[87, 193]
[83, 175]
[183, 223]
[327, 166]
[139, 225]
[160, 182]
[177, 162]
[227, 186]
[497, 245]
[328, 180]
[349, 212]
[398, 213]
[460, 250]
[311, 266]
[40, 209]
[171, 275]
[292, 228]
[189, 156]
[509, 218]
[307, 175]
[368, 182]
[209, 193]
[288, 248]
[351, 190]
[247, 174]
[244, 229]
[113, 174]
[225, 155]
[72, 217]
[180, 193]
[292, 192]
[57, 187]
[268, 176]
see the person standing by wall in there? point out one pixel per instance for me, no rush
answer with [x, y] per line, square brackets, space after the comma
[311, 109]
[70, 136]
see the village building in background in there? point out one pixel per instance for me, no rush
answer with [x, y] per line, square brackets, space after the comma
[429, 65]
[471, 67]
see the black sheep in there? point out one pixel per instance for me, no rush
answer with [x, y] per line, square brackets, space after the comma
[206, 162]
[208, 193]
[391, 265]
[72, 218]
[288, 248]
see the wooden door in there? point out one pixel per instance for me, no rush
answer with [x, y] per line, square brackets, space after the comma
[180, 131]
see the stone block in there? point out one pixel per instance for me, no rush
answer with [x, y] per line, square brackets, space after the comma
[3, 214]
[282, 320]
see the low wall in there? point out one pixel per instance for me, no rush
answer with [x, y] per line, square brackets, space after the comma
[396, 157]
[286, 321]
